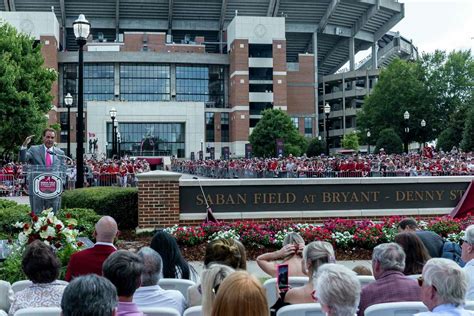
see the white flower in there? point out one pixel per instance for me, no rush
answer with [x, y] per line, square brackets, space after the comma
[22, 238]
[49, 232]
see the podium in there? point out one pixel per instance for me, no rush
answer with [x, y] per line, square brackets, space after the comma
[45, 186]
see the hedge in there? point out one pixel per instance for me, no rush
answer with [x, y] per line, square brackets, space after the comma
[120, 203]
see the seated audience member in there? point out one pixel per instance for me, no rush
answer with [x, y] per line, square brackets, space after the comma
[89, 295]
[150, 294]
[443, 288]
[228, 252]
[240, 294]
[391, 285]
[432, 241]
[415, 251]
[90, 260]
[174, 264]
[362, 270]
[337, 290]
[467, 255]
[211, 280]
[124, 269]
[41, 266]
[290, 253]
[315, 255]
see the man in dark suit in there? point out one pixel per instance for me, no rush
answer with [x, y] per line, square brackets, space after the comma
[39, 156]
[90, 260]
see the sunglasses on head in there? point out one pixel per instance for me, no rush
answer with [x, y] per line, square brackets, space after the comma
[421, 281]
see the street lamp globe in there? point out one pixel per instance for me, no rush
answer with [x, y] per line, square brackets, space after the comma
[423, 123]
[81, 27]
[327, 109]
[406, 115]
[368, 134]
[113, 113]
[68, 99]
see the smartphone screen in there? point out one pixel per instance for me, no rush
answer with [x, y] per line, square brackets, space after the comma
[282, 277]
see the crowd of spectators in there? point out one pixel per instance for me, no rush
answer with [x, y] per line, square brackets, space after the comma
[127, 283]
[97, 172]
[412, 164]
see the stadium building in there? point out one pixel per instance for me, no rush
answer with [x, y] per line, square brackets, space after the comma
[186, 76]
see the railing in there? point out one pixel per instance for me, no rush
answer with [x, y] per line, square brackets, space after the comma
[231, 173]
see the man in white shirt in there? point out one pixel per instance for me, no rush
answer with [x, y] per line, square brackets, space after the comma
[467, 255]
[443, 288]
[150, 294]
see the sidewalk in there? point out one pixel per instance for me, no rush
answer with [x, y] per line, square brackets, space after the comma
[19, 199]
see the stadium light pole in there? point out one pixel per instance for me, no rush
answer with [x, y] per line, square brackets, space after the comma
[368, 142]
[327, 111]
[68, 101]
[113, 115]
[406, 117]
[82, 29]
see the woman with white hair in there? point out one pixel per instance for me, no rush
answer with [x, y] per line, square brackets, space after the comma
[337, 290]
[212, 278]
[443, 288]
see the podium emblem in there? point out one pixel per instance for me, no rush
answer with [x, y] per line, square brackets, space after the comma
[47, 186]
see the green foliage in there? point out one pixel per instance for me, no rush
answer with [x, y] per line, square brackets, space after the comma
[273, 125]
[351, 141]
[120, 203]
[467, 143]
[86, 219]
[315, 148]
[9, 216]
[7, 204]
[447, 139]
[10, 269]
[389, 141]
[25, 88]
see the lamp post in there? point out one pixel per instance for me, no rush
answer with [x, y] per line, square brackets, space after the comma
[119, 140]
[113, 115]
[68, 102]
[81, 28]
[423, 125]
[368, 142]
[327, 110]
[201, 153]
[406, 117]
[114, 137]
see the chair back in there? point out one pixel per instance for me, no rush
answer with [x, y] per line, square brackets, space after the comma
[6, 295]
[176, 284]
[21, 285]
[159, 311]
[396, 309]
[365, 279]
[311, 309]
[39, 311]
[193, 311]
[271, 290]
[469, 305]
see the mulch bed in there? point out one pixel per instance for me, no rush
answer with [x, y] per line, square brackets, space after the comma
[129, 241]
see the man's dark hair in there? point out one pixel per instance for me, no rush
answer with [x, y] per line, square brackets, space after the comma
[49, 129]
[408, 222]
[124, 269]
[39, 263]
[89, 295]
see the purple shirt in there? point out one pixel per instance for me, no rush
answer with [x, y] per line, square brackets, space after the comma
[128, 309]
[390, 286]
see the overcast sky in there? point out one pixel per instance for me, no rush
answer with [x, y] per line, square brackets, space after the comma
[438, 24]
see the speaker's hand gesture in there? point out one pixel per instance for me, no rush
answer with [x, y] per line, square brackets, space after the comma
[27, 140]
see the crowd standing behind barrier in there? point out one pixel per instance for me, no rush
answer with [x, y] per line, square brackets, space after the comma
[97, 172]
[380, 165]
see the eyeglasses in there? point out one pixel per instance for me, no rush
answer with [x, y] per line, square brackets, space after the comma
[420, 281]
[215, 289]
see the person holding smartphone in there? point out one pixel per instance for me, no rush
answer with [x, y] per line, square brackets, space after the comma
[290, 254]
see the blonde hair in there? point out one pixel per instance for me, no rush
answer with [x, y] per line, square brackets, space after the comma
[240, 294]
[224, 251]
[212, 277]
[318, 253]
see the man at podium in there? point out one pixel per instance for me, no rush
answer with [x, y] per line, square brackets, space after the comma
[45, 172]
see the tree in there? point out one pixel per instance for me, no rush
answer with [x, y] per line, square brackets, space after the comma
[447, 139]
[25, 88]
[467, 143]
[351, 141]
[276, 124]
[315, 148]
[400, 88]
[389, 141]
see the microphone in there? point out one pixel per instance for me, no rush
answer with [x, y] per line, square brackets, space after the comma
[209, 215]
